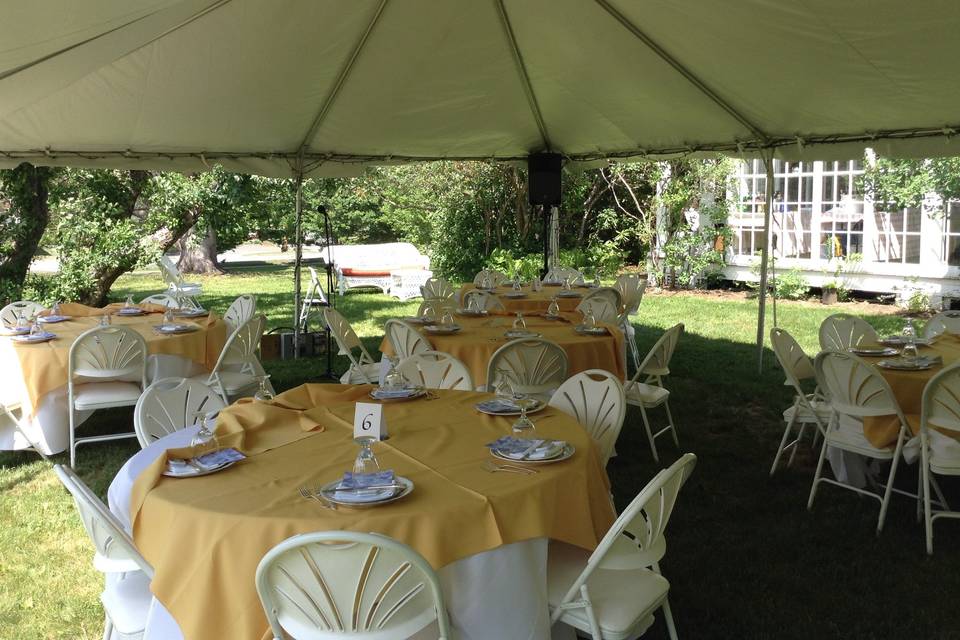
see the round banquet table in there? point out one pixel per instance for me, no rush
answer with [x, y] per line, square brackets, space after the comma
[485, 532]
[533, 301]
[480, 337]
[35, 375]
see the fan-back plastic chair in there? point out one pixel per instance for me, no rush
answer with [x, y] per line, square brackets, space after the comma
[437, 288]
[604, 304]
[943, 322]
[174, 280]
[171, 404]
[651, 393]
[487, 301]
[807, 408]
[436, 307]
[497, 277]
[163, 299]
[106, 368]
[436, 370]
[557, 274]
[614, 592]
[841, 331]
[532, 366]
[239, 311]
[631, 287]
[596, 400]
[25, 308]
[363, 369]
[237, 369]
[316, 297]
[126, 599]
[857, 390]
[405, 340]
[941, 410]
[331, 584]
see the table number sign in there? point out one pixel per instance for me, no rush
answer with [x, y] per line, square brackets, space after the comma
[368, 421]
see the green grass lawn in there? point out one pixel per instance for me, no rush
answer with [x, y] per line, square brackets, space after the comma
[745, 558]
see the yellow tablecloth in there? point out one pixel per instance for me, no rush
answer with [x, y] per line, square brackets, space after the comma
[908, 388]
[205, 536]
[480, 337]
[43, 367]
[535, 301]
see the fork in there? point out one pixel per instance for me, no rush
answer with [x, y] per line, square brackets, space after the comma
[311, 495]
[493, 467]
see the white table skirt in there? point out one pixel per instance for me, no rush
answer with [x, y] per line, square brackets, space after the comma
[49, 427]
[493, 595]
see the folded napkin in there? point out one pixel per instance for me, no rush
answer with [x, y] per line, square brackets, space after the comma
[521, 449]
[359, 487]
[405, 392]
[902, 363]
[206, 462]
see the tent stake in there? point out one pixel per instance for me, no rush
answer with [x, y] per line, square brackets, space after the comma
[767, 155]
[298, 233]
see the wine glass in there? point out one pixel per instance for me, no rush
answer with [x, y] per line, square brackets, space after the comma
[535, 285]
[909, 351]
[554, 308]
[36, 330]
[105, 319]
[473, 304]
[589, 321]
[523, 426]
[168, 316]
[55, 310]
[204, 440]
[596, 278]
[128, 304]
[366, 460]
[519, 324]
[516, 282]
[263, 394]
[394, 380]
[23, 325]
[447, 319]
[566, 283]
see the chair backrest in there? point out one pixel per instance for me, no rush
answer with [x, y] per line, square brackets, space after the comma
[108, 353]
[488, 301]
[437, 288]
[943, 322]
[604, 304]
[405, 340]
[436, 370]
[595, 398]
[320, 585]
[941, 402]
[26, 308]
[346, 337]
[498, 277]
[169, 271]
[239, 311]
[636, 538]
[795, 363]
[169, 405]
[656, 363]
[105, 531]
[841, 331]
[855, 388]
[530, 365]
[241, 346]
[631, 287]
[436, 307]
[162, 299]
[557, 274]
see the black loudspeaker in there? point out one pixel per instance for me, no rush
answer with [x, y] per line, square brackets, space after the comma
[543, 170]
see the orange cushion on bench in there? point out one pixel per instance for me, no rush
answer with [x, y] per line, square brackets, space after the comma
[365, 272]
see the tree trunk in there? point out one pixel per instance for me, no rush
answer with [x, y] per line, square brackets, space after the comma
[22, 225]
[199, 257]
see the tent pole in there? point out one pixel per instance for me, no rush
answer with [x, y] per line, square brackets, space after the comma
[298, 232]
[767, 155]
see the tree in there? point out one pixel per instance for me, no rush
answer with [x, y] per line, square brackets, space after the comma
[24, 215]
[897, 183]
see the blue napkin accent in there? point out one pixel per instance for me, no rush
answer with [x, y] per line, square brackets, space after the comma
[509, 444]
[354, 481]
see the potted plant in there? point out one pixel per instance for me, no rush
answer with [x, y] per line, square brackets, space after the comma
[830, 293]
[836, 287]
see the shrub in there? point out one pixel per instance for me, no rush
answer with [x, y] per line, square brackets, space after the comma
[791, 285]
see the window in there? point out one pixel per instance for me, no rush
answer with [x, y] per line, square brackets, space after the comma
[898, 236]
[841, 209]
[792, 209]
[951, 236]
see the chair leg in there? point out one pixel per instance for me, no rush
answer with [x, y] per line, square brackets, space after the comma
[668, 618]
[816, 475]
[591, 616]
[673, 427]
[927, 511]
[936, 487]
[888, 491]
[920, 490]
[783, 441]
[793, 454]
[73, 435]
[107, 627]
[646, 425]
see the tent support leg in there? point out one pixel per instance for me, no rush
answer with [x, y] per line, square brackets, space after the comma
[298, 232]
[767, 155]
[546, 212]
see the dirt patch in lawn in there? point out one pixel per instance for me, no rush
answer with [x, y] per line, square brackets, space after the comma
[857, 307]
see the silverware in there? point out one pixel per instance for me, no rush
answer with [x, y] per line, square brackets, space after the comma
[492, 467]
[312, 495]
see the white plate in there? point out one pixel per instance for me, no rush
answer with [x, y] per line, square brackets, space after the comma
[329, 491]
[28, 339]
[596, 331]
[440, 329]
[191, 472]
[173, 329]
[472, 313]
[874, 351]
[901, 365]
[569, 294]
[898, 341]
[191, 313]
[549, 316]
[515, 334]
[540, 406]
[418, 392]
[131, 312]
[419, 320]
[565, 454]
[53, 319]
[514, 294]
[13, 331]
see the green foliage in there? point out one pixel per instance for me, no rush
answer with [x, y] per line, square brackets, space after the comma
[905, 182]
[24, 216]
[791, 285]
[689, 255]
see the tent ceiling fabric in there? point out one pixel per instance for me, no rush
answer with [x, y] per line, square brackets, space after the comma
[329, 86]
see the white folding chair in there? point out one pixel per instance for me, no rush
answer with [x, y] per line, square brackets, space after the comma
[487, 301]
[532, 366]
[943, 322]
[596, 400]
[603, 304]
[493, 276]
[613, 593]
[328, 584]
[437, 288]
[436, 307]
[171, 404]
[9, 417]
[557, 274]
[405, 340]
[651, 393]
[239, 311]
[162, 299]
[174, 280]
[631, 287]
[106, 368]
[807, 408]
[841, 331]
[857, 390]
[126, 597]
[10, 313]
[238, 370]
[315, 297]
[436, 370]
[939, 453]
[363, 369]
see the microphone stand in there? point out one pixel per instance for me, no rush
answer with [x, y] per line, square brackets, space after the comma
[328, 267]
